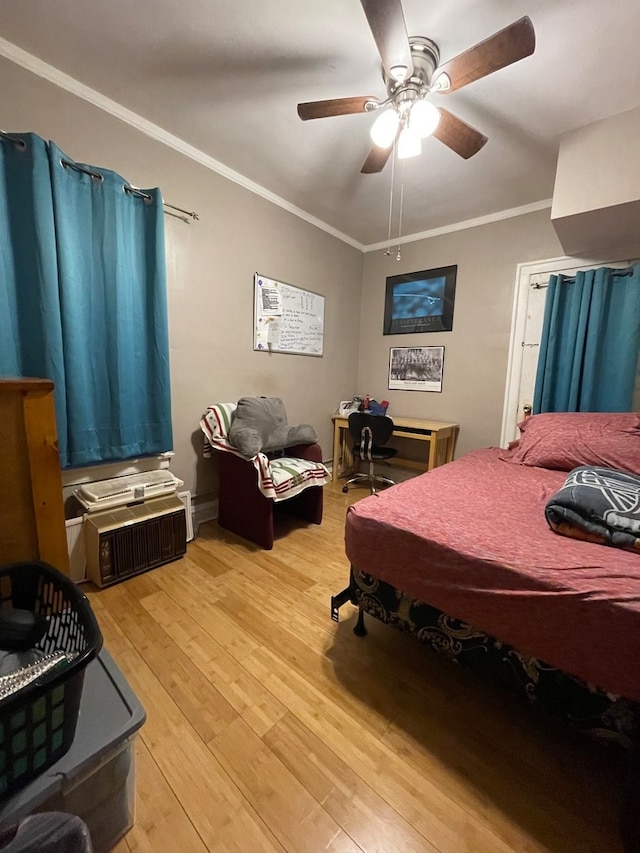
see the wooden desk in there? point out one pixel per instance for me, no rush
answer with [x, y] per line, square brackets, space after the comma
[440, 437]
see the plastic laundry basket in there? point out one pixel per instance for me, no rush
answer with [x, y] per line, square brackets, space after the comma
[38, 721]
[96, 779]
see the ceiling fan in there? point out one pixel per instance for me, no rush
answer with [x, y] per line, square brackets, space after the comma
[411, 71]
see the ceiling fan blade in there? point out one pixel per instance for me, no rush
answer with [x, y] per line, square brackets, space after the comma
[335, 107]
[499, 50]
[376, 160]
[386, 22]
[458, 135]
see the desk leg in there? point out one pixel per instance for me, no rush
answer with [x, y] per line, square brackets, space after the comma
[433, 451]
[336, 453]
[451, 444]
[448, 448]
[341, 451]
[348, 462]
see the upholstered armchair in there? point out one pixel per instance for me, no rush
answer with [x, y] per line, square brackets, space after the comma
[249, 486]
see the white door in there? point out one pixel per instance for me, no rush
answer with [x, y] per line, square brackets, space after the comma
[531, 284]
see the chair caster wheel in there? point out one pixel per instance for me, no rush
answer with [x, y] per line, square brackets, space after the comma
[345, 489]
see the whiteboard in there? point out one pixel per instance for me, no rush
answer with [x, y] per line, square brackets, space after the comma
[287, 318]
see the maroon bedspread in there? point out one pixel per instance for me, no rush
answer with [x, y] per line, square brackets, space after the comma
[471, 539]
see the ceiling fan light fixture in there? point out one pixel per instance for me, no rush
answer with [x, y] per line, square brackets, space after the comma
[399, 73]
[383, 130]
[442, 83]
[423, 118]
[409, 144]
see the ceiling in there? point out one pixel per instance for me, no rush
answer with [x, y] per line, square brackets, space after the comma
[226, 76]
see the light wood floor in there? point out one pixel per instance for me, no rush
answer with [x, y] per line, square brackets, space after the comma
[271, 728]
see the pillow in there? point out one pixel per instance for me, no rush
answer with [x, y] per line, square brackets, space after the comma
[566, 440]
[260, 423]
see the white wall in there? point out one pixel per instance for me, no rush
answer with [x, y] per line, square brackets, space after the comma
[476, 350]
[596, 198]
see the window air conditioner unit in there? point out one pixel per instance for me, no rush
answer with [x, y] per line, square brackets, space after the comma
[104, 494]
[126, 540]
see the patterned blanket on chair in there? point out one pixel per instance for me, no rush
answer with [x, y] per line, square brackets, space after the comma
[598, 505]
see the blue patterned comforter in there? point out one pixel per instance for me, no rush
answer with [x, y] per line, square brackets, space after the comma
[598, 505]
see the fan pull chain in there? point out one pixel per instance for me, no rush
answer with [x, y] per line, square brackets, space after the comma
[398, 256]
[393, 168]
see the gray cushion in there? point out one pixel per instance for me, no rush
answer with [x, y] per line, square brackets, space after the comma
[260, 423]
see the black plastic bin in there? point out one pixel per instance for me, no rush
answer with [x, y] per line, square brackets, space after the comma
[38, 722]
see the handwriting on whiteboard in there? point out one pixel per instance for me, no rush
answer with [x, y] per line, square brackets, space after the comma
[287, 318]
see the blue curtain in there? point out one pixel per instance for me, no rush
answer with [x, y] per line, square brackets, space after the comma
[83, 300]
[30, 329]
[590, 342]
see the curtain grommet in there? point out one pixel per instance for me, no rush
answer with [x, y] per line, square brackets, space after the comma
[20, 143]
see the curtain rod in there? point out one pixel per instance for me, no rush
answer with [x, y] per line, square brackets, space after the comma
[570, 279]
[98, 177]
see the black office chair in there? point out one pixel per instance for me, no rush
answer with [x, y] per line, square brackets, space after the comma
[369, 433]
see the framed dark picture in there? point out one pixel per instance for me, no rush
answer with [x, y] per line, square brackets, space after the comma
[420, 301]
[416, 368]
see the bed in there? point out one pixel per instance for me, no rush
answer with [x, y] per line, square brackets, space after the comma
[464, 559]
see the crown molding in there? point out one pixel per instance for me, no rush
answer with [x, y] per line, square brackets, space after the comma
[461, 226]
[64, 81]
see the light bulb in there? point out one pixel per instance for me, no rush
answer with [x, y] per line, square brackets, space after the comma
[399, 73]
[383, 130]
[423, 118]
[409, 144]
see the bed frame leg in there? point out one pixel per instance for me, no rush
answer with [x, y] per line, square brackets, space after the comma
[360, 629]
[348, 594]
[338, 600]
[341, 598]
